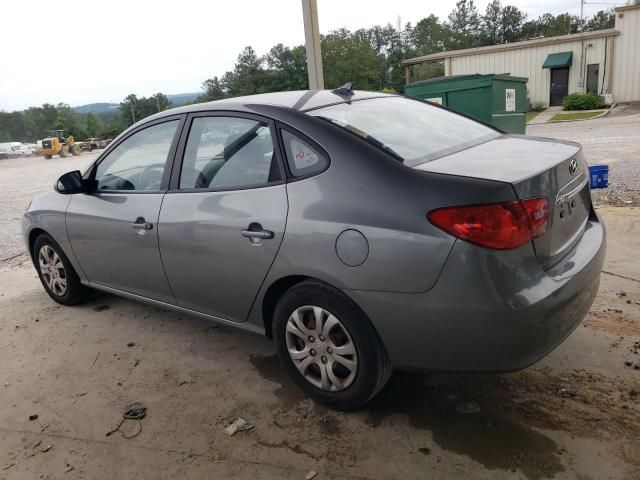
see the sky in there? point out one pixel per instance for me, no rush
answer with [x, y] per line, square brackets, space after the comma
[85, 51]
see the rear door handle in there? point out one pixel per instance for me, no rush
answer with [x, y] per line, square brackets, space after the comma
[256, 234]
[263, 234]
[141, 224]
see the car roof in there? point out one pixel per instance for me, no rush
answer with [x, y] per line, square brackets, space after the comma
[301, 100]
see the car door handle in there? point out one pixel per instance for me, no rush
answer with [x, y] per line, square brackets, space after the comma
[141, 224]
[264, 234]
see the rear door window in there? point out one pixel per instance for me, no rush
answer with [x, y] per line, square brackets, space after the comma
[228, 153]
[411, 131]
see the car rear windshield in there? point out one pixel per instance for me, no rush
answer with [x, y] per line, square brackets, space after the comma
[414, 132]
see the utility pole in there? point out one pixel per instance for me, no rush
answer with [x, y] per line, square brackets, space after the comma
[312, 44]
[158, 103]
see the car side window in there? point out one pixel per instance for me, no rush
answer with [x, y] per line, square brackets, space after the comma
[138, 162]
[303, 159]
[227, 153]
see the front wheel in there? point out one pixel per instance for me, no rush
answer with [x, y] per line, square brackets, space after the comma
[58, 277]
[328, 346]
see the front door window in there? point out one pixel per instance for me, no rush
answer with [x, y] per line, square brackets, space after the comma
[137, 163]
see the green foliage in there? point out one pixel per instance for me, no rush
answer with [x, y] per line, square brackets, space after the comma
[538, 107]
[559, 117]
[464, 25]
[582, 101]
[32, 124]
[602, 20]
[349, 58]
[133, 109]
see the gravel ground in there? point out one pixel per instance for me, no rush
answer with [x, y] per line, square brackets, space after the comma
[613, 140]
[21, 180]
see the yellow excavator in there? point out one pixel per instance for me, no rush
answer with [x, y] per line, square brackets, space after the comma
[57, 144]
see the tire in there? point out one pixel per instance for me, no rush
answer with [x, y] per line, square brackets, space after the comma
[48, 157]
[341, 387]
[74, 292]
[75, 150]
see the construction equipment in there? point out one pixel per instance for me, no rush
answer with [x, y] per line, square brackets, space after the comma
[57, 144]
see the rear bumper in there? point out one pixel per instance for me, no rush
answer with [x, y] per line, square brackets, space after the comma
[489, 311]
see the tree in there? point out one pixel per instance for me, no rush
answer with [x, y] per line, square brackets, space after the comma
[601, 20]
[348, 58]
[213, 90]
[159, 102]
[93, 125]
[428, 36]
[464, 25]
[287, 69]
[248, 76]
[491, 24]
[511, 21]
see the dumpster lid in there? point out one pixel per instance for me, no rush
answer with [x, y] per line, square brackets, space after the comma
[558, 60]
[444, 79]
[470, 76]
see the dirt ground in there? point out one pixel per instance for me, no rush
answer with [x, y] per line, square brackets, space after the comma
[574, 415]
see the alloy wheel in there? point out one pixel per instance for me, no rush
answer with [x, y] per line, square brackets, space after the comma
[52, 270]
[321, 348]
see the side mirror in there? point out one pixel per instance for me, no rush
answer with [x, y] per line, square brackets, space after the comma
[70, 182]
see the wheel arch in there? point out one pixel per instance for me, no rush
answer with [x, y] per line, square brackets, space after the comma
[278, 288]
[33, 234]
[273, 294]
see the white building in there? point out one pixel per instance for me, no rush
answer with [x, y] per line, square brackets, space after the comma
[604, 62]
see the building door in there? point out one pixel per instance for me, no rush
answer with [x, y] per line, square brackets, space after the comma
[559, 85]
[592, 77]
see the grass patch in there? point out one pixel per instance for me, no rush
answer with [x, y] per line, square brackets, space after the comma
[574, 116]
[531, 115]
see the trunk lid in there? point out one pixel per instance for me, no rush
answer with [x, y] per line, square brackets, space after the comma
[535, 167]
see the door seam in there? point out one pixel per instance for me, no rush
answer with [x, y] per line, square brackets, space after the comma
[164, 271]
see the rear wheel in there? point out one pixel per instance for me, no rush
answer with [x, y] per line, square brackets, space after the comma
[328, 346]
[58, 277]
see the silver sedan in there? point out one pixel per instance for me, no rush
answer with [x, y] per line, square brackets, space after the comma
[362, 232]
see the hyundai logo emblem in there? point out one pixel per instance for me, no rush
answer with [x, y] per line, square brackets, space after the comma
[573, 166]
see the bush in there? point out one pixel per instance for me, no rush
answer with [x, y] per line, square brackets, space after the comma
[538, 107]
[582, 101]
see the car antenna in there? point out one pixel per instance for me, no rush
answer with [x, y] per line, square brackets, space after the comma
[345, 90]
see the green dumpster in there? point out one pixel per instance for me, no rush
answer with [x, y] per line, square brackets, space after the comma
[497, 99]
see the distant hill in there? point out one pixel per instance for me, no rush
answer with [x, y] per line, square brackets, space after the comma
[177, 100]
[180, 99]
[96, 108]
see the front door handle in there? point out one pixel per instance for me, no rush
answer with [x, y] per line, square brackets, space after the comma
[141, 224]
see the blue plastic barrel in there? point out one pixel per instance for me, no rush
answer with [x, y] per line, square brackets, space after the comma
[599, 176]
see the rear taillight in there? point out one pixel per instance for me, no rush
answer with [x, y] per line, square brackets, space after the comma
[495, 225]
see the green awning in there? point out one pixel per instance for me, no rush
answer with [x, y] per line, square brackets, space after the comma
[558, 60]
